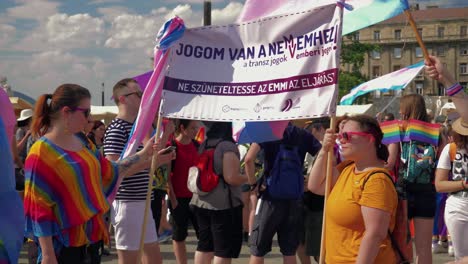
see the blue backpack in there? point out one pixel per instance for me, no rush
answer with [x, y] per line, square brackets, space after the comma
[285, 180]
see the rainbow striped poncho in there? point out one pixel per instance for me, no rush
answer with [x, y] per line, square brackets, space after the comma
[65, 194]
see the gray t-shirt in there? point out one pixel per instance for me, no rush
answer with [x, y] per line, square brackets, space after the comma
[218, 199]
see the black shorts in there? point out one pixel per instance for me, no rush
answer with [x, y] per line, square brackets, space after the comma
[276, 217]
[220, 231]
[180, 217]
[156, 206]
[421, 200]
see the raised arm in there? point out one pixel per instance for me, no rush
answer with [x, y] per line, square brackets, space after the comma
[316, 183]
[437, 71]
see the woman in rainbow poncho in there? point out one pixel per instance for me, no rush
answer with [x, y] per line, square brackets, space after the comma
[68, 180]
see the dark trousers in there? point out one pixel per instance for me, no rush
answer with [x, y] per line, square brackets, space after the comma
[156, 206]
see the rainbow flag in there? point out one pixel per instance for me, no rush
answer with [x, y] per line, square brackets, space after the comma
[391, 131]
[422, 131]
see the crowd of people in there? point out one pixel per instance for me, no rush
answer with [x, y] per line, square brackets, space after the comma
[68, 168]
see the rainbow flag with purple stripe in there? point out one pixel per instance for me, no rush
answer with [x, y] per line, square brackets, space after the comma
[422, 131]
[392, 132]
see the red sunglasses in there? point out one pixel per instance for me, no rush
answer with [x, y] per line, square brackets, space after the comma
[346, 136]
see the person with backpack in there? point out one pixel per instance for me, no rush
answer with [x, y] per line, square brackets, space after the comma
[362, 205]
[219, 211]
[180, 196]
[416, 176]
[280, 192]
[454, 158]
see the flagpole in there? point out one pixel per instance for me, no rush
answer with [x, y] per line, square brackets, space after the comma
[152, 171]
[389, 103]
[416, 32]
[328, 179]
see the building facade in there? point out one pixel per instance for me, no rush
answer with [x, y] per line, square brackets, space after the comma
[444, 33]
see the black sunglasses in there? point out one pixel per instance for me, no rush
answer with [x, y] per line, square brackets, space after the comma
[139, 94]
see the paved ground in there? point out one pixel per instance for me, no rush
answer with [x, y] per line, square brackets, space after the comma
[166, 248]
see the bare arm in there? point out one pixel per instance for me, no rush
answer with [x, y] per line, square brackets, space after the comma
[14, 152]
[249, 160]
[24, 140]
[443, 184]
[317, 175]
[140, 160]
[393, 156]
[376, 222]
[48, 254]
[437, 71]
[231, 169]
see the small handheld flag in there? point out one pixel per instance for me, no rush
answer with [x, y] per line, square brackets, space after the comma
[422, 131]
[392, 132]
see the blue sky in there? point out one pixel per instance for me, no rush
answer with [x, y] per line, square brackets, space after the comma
[45, 43]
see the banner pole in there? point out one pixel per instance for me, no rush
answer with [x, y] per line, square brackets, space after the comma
[328, 179]
[416, 32]
[150, 185]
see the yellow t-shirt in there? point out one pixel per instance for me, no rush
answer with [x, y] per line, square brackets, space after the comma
[344, 222]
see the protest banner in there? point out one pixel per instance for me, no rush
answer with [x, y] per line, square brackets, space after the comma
[277, 68]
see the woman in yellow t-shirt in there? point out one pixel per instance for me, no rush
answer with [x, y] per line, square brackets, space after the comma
[361, 207]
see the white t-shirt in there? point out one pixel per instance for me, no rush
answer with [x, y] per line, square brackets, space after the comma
[460, 164]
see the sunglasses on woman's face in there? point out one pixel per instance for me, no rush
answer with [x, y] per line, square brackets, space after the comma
[86, 111]
[346, 136]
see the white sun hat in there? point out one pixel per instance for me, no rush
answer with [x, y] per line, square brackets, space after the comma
[25, 114]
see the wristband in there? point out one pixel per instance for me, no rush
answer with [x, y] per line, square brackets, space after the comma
[253, 186]
[454, 89]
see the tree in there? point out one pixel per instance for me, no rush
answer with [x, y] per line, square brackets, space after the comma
[353, 54]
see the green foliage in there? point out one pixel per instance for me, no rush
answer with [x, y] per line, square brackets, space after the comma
[354, 54]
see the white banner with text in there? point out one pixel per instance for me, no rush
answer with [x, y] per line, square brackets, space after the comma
[277, 68]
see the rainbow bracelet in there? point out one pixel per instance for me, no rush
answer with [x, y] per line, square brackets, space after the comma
[454, 89]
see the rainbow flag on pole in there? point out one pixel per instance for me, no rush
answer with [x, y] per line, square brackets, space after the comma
[392, 132]
[422, 131]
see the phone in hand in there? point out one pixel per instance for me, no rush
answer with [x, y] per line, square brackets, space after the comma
[169, 150]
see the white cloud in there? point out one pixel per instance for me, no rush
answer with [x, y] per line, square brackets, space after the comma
[132, 31]
[33, 9]
[190, 17]
[98, 2]
[80, 30]
[110, 13]
[46, 51]
[227, 15]
[7, 35]
[43, 72]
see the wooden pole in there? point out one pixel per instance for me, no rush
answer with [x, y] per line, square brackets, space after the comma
[328, 179]
[416, 32]
[153, 168]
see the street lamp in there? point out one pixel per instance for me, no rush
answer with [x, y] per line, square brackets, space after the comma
[207, 13]
[102, 94]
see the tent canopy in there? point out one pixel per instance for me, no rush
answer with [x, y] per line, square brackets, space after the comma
[106, 113]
